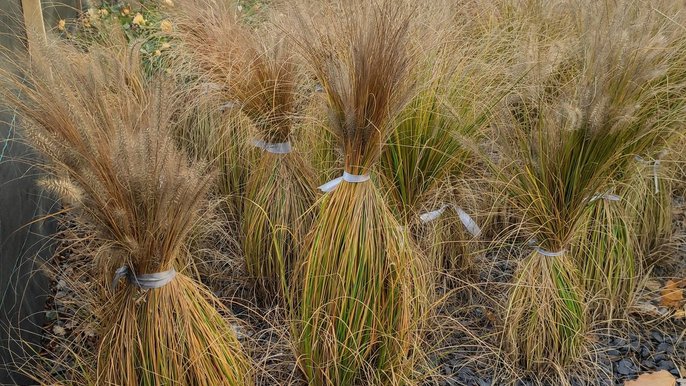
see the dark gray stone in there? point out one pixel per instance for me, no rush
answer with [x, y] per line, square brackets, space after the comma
[626, 367]
[485, 382]
[666, 365]
[648, 364]
[657, 336]
[614, 353]
[665, 347]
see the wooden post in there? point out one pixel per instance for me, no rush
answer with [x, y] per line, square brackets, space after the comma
[33, 22]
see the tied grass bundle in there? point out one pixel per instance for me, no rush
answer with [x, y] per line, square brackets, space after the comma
[609, 266]
[649, 202]
[361, 294]
[205, 49]
[255, 71]
[591, 101]
[104, 131]
[280, 188]
[428, 160]
[545, 323]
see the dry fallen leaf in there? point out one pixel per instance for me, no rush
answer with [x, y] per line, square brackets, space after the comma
[660, 378]
[672, 295]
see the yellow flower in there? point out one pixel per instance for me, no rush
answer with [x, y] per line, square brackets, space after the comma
[138, 19]
[158, 52]
[104, 12]
[125, 11]
[61, 24]
[166, 26]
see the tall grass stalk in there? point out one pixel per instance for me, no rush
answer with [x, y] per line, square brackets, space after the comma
[205, 51]
[649, 204]
[362, 291]
[105, 132]
[260, 75]
[610, 267]
[591, 102]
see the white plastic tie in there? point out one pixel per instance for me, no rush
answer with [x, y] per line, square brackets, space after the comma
[274, 148]
[209, 87]
[230, 105]
[548, 253]
[656, 168]
[146, 281]
[434, 214]
[605, 196]
[656, 178]
[467, 220]
[347, 177]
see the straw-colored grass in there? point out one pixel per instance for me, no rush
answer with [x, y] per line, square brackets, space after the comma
[105, 132]
[361, 294]
[256, 70]
[546, 324]
[649, 204]
[610, 267]
[205, 49]
[588, 106]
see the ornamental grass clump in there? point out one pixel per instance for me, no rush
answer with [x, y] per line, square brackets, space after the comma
[632, 86]
[280, 187]
[649, 203]
[429, 157]
[591, 102]
[361, 288]
[205, 45]
[422, 154]
[261, 77]
[104, 131]
[609, 278]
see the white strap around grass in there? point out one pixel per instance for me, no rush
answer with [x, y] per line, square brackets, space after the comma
[347, 177]
[468, 222]
[230, 105]
[544, 252]
[548, 253]
[656, 168]
[146, 281]
[274, 148]
[605, 196]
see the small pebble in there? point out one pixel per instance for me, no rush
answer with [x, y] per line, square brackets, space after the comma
[649, 364]
[613, 353]
[657, 336]
[666, 365]
[626, 367]
[665, 347]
